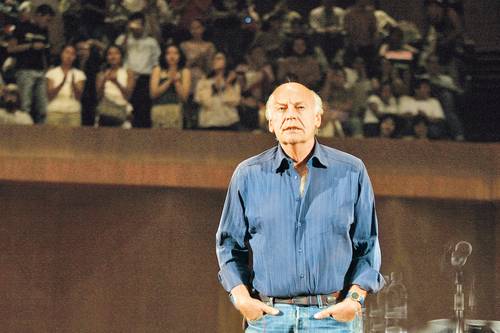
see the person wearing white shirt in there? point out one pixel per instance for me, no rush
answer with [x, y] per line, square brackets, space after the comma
[424, 105]
[327, 22]
[64, 89]
[378, 105]
[142, 54]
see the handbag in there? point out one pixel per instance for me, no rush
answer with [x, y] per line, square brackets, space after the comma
[167, 115]
[110, 109]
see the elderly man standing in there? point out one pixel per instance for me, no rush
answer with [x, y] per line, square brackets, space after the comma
[307, 214]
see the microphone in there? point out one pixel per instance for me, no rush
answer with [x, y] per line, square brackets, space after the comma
[459, 256]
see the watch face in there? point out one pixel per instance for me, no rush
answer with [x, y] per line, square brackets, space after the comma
[355, 296]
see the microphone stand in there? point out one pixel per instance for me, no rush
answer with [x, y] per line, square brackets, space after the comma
[459, 302]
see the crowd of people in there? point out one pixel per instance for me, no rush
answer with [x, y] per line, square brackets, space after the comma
[212, 65]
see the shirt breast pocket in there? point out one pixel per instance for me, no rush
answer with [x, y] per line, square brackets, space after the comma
[330, 214]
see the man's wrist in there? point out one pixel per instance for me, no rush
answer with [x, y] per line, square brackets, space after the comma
[356, 297]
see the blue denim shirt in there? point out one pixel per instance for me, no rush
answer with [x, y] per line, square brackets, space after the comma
[316, 243]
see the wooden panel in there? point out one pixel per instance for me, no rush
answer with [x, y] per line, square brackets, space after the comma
[441, 170]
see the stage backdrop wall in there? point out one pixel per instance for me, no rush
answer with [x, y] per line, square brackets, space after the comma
[90, 243]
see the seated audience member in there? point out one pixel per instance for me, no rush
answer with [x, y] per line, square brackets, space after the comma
[327, 23]
[379, 105]
[395, 50]
[114, 86]
[447, 92]
[218, 96]
[301, 63]
[388, 127]
[10, 110]
[420, 128]
[255, 77]
[338, 101]
[89, 58]
[388, 72]
[64, 89]
[424, 105]
[361, 86]
[169, 88]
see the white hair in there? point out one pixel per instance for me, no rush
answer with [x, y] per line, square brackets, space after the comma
[318, 104]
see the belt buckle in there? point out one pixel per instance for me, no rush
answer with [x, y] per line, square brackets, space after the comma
[331, 299]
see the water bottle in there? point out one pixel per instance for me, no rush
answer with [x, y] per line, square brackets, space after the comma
[376, 316]
[396, 306]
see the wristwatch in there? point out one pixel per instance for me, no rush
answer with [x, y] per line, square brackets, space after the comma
[355, 296]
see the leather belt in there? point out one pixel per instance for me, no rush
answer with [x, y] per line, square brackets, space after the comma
[308, 300]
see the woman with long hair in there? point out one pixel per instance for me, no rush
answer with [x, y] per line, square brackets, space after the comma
[218, 95]
[114, 86]
[169, 88]
[64, 91]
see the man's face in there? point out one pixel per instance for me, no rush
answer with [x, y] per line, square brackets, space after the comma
[136, 27]
[293, 117]
[43, 21]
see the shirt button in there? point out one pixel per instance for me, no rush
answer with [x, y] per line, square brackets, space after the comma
[300, 250]
[299, 224]
[295, 177]
[301, 276]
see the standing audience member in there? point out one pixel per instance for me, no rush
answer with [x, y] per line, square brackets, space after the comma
[218, 95]
[88, 53]
[444, 34]
[31, 48]
[169, 89]
[64, 89]
[300, 63]
[199, 56]
[199, 52]
[360, 26]
[255, 78]
[10, 112]
[114, 86]
[327, 23]
[141, 55]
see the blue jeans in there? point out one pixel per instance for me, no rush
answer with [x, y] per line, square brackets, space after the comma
[299, 319]
[32, 88]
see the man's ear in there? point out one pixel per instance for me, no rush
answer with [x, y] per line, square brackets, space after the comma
[270, 126]
[317, 120]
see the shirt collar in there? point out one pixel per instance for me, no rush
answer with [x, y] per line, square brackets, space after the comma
[318, 160]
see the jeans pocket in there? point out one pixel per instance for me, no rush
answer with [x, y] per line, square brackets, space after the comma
[261, 318]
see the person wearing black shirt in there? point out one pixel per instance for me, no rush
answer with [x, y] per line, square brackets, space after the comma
[31, 48]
